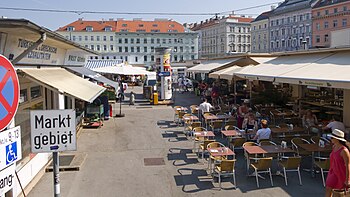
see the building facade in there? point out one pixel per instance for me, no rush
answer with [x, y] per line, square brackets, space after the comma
[290, 26]
[329, 16]
[223, 36]
[260, 34]
[134, 40]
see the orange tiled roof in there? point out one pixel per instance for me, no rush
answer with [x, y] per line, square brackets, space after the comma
[242, 19]
[127, 25]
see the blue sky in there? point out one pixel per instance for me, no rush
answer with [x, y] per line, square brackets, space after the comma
[55, 20]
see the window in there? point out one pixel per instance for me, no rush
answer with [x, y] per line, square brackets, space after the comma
[136, 59]
[140, 30]
[92, 47]
[108, 28]
[70, 28]
[126, 49]
[192, 57]
[175, 58]
[192, 49]
[104, 38]
[23, 96]
[111, 47]
[318, 13]
[132, 49]
[152, 58]
[326, 38]
[140, 25]
[345, 9]
[97, 38]
[98, 47]
[169, 41]
[124, 25]
[145, 58]
[158, 41]
[300, 17]
[126, 58]
[120, 49]
[318, 39]
[137, 40]
[80, 38]
[111, 38]
[335, 10]
[120, 41]
[164, 41]
[132, 40]
[86, 46]
[317, 26]
[175, 49]
[326, 25]
[125, 40]
[144, 49]
[181, 49]
[89, 28]
[145, 40]
[152, 40]
[344, 22]
[154, 25]
[73, 38]
[335, 23]
[86, 38]
[326, 12]
[152, 49]
[138, 49]
[35, 92]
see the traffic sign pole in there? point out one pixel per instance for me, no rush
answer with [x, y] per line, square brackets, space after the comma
[56, 174]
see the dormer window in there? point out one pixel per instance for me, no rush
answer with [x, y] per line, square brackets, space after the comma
[140, 25]
[108, 28]
[89, 28]
[154, 25]
[124, 25]
[70, 28]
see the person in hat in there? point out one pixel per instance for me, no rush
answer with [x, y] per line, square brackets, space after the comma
[242, 112]
[338, 175]
[263, 133]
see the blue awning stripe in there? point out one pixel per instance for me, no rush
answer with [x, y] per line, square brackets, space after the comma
[92, 64]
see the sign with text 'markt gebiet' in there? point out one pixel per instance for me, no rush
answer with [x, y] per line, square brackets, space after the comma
[53, 130]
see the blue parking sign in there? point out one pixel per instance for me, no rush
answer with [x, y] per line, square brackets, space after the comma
[11, 153]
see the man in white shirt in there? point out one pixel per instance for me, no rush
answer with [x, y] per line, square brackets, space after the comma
[263, 133]
[205, 106]
[335, 124]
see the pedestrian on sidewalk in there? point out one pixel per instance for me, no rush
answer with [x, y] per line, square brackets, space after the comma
[132, 98]
[338, 177]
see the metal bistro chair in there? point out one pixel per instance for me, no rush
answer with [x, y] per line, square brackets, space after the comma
[226, 167]
[290, 164]
[269, 143]
[237, 142]
[194, 110]
[324, 164]
[198, 139]
[213, 159]
[216, 125]
[263, 165]
[248, 156]
[191, 127]
[203, 146]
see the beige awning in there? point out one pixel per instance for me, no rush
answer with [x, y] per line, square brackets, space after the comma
[65, 82]
[224, 73]
[332, 71]
[212, 65]
[278, 66]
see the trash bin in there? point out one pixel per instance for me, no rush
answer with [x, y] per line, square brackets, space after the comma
[155, 98]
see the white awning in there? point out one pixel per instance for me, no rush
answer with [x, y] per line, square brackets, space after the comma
[211, 65]
[224, 72]
[278, 66]
[65, 82]
[122, 70]
[332, 71]
[262, 60]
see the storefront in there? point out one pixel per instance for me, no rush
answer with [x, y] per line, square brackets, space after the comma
[38, 55]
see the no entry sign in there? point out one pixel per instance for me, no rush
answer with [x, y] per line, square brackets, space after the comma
[9, 92]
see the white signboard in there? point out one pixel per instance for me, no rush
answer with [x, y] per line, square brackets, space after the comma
[53, 130]
[10, 147]
[7, 179]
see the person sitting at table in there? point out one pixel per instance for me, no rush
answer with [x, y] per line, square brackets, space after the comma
[334, 124]
[250, 123]
[263, 133]
[242, 111]
[205, 106]
[310, 122]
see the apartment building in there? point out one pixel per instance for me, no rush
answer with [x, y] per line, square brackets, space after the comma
[260, 33]
[327, 17]
[222, 36]
[134, 40]
[291, 26]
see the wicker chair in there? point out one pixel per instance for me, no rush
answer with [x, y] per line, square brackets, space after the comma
[291, 164]
[226, 167]
[323, 164]
[263, 165]
[213, 159]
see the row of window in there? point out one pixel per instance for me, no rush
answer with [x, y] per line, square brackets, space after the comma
[335, 11]
[134, 49]
[290, 30]
[145, 58]
[90, 38]
[326, 25]
[318, 38]
[153, 40]
[288, 20]
[260, 26]
[290, 43]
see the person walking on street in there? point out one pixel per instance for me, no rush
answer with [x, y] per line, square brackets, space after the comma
[338, 177]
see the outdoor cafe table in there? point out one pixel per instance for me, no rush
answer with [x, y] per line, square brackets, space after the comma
[219, 152]
[255, 150]
[315, 148]
[191, 118]
[205, 134]
[209, 118]
[284, 130]
[230, 133]
[181, 108]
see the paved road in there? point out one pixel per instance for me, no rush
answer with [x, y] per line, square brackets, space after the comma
[114, 165]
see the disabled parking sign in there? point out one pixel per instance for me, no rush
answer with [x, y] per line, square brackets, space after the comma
[10, 147]
[9, 92]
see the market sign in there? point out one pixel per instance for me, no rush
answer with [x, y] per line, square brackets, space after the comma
[53, 130]
[10, 147]
[9, 92]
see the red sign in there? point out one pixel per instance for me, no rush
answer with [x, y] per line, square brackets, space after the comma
[9, 92]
